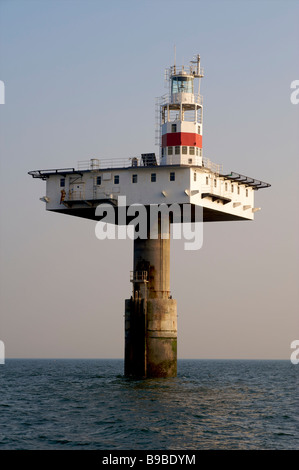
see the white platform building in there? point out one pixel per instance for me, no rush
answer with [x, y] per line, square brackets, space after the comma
[179, 174]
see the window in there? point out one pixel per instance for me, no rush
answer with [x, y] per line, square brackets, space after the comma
[184, 150]
[182, 85]
[173, 127]
[194, 176]
[198, 130]
[207, 180]
[62, 182]
[99, 180]
[116, 179]
[177, 150]
[190, 161]
[238, 189]
[196, 150]
[200, 152]
[191, 151]
[169, 150]
[215, 183]
[225, 186]
[153, 177]
[163, 151]
[246, 192]
[172, 176]
[134, 178]
[232, 188]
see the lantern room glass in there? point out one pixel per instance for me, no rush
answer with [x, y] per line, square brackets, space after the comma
[182, 85]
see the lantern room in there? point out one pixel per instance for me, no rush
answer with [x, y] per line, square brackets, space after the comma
[181, 117]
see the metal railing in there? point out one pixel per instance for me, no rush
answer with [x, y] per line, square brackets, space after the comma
[97, 163]
[214, 167]
[138, 276]
[178, 69]
[88, 195]
[193, 98]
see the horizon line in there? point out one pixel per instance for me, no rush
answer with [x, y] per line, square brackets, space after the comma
[122, 359]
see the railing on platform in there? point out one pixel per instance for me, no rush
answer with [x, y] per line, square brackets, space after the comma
[88, 195]
[138, 276]
[97, 163]
[214, 167]
[192, 98]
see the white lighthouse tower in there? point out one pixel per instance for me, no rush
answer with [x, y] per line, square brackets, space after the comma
[181, 114]
[181, 176]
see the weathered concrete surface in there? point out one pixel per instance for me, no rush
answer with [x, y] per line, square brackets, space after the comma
[161, 338]
[151, 313]
[153, 256]
[151, 338]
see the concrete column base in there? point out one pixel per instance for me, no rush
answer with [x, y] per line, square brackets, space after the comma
[151, 313]
[151, 338]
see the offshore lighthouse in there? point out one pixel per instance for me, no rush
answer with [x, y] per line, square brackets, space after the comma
[179, 177]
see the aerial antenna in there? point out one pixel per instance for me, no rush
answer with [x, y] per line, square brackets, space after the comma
[196, 61]
[174, 59]
[197, 73]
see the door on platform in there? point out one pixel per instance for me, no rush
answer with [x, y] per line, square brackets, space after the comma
[77, 191]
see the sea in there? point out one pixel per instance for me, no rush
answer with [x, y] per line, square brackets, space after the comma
[69, 404]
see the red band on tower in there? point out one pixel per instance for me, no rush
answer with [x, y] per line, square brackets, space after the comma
[182, 138]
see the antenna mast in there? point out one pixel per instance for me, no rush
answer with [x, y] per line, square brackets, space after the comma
[174, 67]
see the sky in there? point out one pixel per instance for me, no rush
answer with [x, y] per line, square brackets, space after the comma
[81, 78]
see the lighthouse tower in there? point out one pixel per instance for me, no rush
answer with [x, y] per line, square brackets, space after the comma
[180, 177]
[181, 114]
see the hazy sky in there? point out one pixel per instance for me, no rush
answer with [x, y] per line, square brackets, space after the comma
[81, 79]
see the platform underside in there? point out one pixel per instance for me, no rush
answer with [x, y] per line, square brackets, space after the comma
[209, 215]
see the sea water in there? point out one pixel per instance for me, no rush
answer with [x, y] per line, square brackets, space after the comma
[89, 404]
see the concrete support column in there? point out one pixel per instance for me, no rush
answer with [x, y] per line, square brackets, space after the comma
[153, 257]
[161, 338]
[150, 314]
